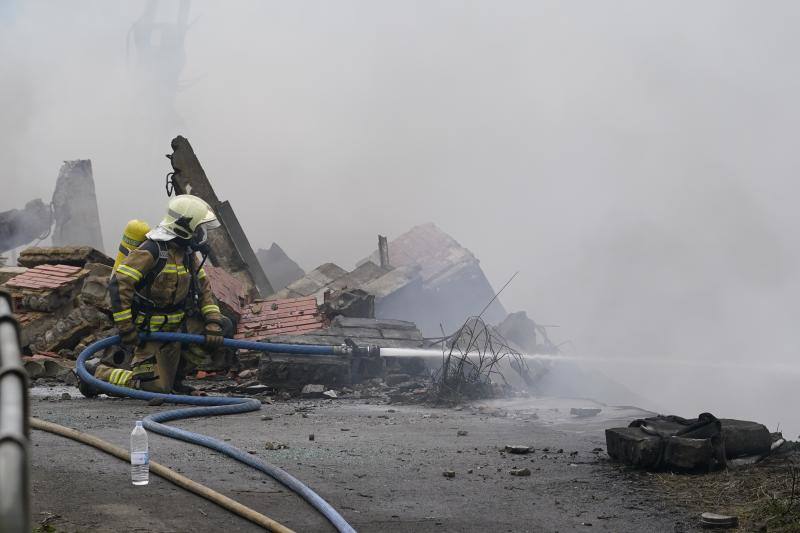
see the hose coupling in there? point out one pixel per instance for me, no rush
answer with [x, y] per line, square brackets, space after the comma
[370, 351]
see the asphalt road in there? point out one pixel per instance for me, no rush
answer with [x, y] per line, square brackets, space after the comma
[382, 469]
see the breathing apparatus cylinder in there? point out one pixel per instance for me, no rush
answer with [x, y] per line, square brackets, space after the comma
[134, 235]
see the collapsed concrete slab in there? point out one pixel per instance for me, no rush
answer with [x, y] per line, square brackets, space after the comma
[62, 255]
[77, 220]
[314, 283]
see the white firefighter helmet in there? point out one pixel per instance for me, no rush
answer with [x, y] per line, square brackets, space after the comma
[185, 213]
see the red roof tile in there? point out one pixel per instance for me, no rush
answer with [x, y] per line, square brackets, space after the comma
[263, 318]
[44, 277]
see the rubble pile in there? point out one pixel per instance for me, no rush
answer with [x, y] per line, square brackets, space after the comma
[61, 306]
[429, 278]
[61, 297]
[294, 372]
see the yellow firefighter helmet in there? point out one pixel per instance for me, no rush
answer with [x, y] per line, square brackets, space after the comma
[185, 213]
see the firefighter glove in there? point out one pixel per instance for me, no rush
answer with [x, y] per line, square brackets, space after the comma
[213, 333]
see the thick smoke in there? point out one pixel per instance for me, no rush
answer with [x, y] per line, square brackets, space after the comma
[635, 161]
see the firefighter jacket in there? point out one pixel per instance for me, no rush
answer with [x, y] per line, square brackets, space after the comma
[160, 300]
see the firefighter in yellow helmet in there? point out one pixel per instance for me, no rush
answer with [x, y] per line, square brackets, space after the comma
[161, 286]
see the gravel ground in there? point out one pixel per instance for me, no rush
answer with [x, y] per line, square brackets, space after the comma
[381, 466]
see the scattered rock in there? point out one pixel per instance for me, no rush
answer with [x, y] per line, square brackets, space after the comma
[584, 412]
[449, 473]
[270, 445]
[250, 373]
[66, 396]
[330, 394]
[517, 448]
[266, 417]
[255, 389]
[155, 402]
[520, 472]
[714, 520]
[462, 433]
[313, 391]
[396, 379]
[311, 436]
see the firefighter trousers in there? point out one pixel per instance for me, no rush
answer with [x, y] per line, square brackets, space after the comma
[154, 365]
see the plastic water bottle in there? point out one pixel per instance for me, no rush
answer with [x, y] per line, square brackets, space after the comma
[140, 458]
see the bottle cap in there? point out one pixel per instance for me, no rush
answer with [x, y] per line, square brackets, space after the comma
[138, 423]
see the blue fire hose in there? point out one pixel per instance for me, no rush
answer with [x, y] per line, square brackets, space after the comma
[213, 406]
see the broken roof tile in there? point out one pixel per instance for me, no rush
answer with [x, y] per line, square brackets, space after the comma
[229, 290]
[45, 277]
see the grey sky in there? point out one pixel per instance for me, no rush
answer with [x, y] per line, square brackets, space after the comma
[635, 161]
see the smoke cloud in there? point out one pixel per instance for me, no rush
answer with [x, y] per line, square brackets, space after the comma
[634, 161]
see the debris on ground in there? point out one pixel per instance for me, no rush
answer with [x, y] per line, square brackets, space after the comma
[584, 412]
[521, 472]
[679, 444]
[718, 521]
[270, 445]
[763, 496]
[517, 449]
[312, 391]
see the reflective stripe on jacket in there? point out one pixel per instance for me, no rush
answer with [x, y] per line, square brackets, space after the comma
[167, 289]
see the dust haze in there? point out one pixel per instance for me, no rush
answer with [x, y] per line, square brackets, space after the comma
[636, 162]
